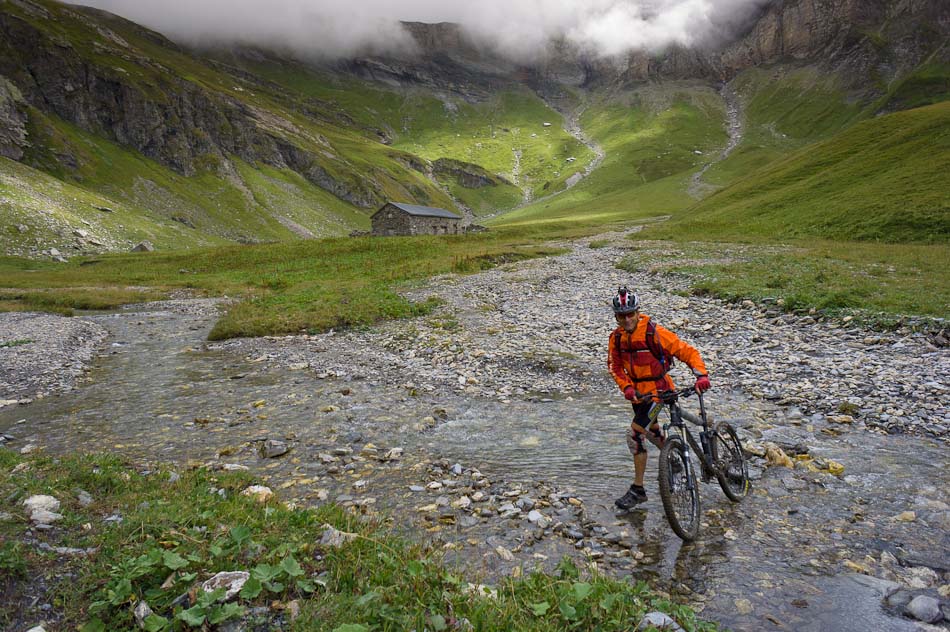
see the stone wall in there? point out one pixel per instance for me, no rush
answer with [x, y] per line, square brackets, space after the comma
[397, 222]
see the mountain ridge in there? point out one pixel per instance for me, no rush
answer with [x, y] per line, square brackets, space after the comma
[71, 74]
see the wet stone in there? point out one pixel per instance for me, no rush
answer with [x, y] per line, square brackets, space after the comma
[924, 608]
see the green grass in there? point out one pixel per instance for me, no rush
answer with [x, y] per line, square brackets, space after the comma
[650, 137]
[879, 282]
[928, 84]
[6, 344]
[484, 133]
[175, 534]
[880, 180]
[287, 287]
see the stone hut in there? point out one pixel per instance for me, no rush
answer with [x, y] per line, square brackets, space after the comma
[395, 218]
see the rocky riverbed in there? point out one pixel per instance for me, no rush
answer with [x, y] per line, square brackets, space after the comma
[492, 427]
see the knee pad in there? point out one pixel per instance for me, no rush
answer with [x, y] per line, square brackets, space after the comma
[635, 442]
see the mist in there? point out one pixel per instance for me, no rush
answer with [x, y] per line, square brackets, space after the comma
[516, 28]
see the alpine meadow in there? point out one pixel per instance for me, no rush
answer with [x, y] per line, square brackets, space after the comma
[304, 312]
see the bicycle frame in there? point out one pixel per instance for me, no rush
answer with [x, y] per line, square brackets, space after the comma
[703, 449]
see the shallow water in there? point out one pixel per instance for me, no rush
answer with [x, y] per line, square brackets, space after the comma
[774, 561]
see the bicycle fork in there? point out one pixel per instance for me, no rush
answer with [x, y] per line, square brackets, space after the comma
[690, 473]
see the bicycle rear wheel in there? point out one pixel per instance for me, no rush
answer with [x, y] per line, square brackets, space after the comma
[732, 472]
[679, 490]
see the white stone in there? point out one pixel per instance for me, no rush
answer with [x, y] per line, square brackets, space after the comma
[658, 621]
[231, 581]
[260, 493]
[41, 501]
[334, 538]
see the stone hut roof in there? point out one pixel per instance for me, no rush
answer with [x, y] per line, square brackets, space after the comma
[426, 211]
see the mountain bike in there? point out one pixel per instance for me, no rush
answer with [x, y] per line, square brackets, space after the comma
[720, 455]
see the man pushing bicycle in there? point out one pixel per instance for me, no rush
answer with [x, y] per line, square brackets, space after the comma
[640, 354]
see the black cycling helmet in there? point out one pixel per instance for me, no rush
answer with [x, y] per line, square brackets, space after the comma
[625, 302]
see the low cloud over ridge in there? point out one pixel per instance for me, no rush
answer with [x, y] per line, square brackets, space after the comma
[519, 28]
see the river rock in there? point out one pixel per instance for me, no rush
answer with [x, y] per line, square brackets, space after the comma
[335, 538]
[884, 587]
[42, 510]
[231, 581]
[260, 493]
[658, 621]
[273, 448]
[85, 499]
[141, 612]
[924, 608]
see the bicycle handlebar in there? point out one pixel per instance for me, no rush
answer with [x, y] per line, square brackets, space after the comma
[671, 396]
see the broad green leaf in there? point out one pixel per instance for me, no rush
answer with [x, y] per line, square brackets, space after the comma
[186, 577]
[240, 534]
[265, 572]
[94, 626]
[155, 623]
[193, 616]
[225, 612]
[351, 627]
[174, 561]
[290, 566]
[568, 611]
[362, 600]
[414, 568]
[581, 591]
[274, 587]
[206, 599]
[121, 592]
[437, 621]
[252, 588]
[304, 585]
[98, 606]
[215, 550]
[607, 603]
[540, 609]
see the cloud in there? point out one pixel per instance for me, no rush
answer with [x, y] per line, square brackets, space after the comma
[519, 28]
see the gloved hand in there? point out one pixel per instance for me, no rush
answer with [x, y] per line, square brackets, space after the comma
[702, 383]
[631, 394]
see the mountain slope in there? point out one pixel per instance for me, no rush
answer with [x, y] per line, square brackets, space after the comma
[884, 179]
[249, 145]
[122, 112]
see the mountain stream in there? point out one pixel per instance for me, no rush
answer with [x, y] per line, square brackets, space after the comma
[783, 559]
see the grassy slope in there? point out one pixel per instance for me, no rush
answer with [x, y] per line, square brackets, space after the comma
[650, 137]
[783, 110]
[883, 179]
[485, 133]
[229, 201]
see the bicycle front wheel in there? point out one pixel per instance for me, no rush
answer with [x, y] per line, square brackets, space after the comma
[732, 471]
[678, 489]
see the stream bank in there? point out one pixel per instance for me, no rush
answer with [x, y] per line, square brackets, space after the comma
[492, 428]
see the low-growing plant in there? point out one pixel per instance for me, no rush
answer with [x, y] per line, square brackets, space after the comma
[15, 343]
[176, 534]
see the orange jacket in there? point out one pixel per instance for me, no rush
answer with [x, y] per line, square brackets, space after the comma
[632, 364]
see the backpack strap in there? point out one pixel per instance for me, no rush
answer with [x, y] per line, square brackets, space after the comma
[655, 348]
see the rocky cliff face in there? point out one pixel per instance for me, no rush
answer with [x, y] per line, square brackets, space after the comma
[852, 37]
[12, 121]
[113, 89]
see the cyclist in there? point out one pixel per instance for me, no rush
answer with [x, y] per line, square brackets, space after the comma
[640, 353]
